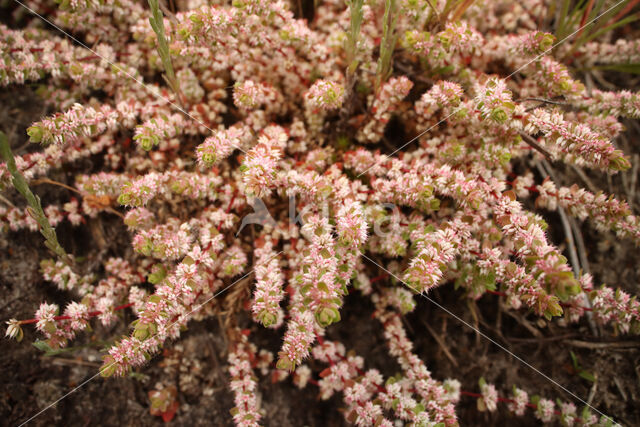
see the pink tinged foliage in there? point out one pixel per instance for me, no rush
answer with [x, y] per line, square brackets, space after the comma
[489, 399]
[434, 252]
[167, 241]
[441, 95]
[616, 307]
[604, 211]
[163, 314]
[319, 284]
[153, 131]
[268, 292]
[385, 103]
[512, 47]
[325, 95]
[259, 167]
[351, 226]
[298, 338]
[219, 146]
[623, 103]
[452, 218]
[77, 122]
[553, 78]
[250, 95]
[494, 101]
[545, 411]
[520, 401]
[579, 143]
[140, 191]
[243, 383]
[458, 38]
[437, 400]
[359, 388]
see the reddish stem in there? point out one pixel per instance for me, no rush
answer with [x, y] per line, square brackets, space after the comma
[233, 198]
[91, 314]
[623, 12]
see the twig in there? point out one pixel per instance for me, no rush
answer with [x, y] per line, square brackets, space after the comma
[601, 345]
[461, 9]
[601, 80]
[6, 201]
[441, 343]
[65, 361]
[592, 392]
[523, 322]
[533, 143]
[546, 170]
[60, 184]
[634, 178]
[620, 389]
[582, 250]
[541, 339]
[170, 15]
[52, 182]
[585, 178]
[434, 10]
[542, 102]
[406, 70]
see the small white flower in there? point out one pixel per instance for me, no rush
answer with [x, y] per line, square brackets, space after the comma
[14, 330]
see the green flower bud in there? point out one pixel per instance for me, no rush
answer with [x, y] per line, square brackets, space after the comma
[564, 86]
[267, 319]
[325, 316]
[108, 367]
[546, 42]
[158, 273]
[141, 332]
[285, 364]
[35, 134]
[124, 198]
[618, 161]
[498, 115]
[146, 143]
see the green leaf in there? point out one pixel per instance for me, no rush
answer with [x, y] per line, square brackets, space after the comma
[351, 43]
[622, 68]
[35, 208]
[574, 360]
[387, 44]
[587, 376]
[157, 23]
[50, 351]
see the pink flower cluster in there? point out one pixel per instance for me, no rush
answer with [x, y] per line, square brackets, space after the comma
[435, 250]
[345, 374]
[259, 166]
[250, 95]
[246, 413]
[269, 282]
[606, 212]
[325, 95]
[446, 47]
[77, 122]
[578, 142]
[385, 103]
[437, 403]
[219, 146]
[281, 115]
[442, 94]
[153, 131]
